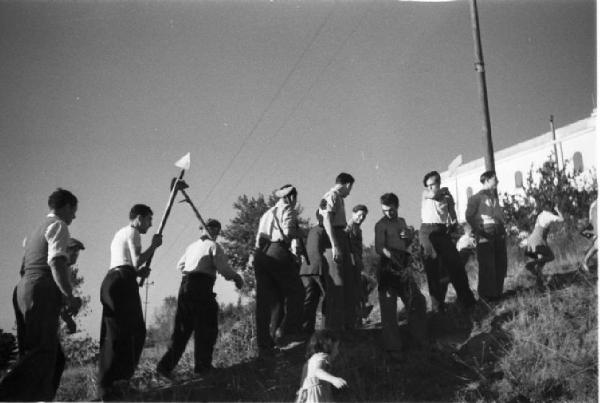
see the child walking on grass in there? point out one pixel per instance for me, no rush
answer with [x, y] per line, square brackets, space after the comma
[316, 379]
[537, 244]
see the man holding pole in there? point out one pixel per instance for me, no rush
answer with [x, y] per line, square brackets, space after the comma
[123, 330]
[197, 308]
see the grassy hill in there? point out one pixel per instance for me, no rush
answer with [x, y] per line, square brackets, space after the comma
[536, 344]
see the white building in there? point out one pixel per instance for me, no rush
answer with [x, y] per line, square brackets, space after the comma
[575, 145]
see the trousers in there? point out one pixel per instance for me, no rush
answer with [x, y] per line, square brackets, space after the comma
[36, 375]
[197, 312]
[122, 331]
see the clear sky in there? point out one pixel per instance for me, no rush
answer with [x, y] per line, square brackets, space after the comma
[102, 97]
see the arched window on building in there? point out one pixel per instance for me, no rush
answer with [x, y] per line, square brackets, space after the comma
[577, 162]
[469, 192]
[518, 179]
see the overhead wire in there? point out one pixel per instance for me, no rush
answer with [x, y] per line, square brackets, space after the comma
[304, 96]
[257, 123]
[270, 104]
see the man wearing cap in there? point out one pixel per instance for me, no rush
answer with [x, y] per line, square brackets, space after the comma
[354, 231]
[197, 308]
[340, 310]
[276, 271]
[38, 300]
[439, 253]
[123, 331]
[486, 218]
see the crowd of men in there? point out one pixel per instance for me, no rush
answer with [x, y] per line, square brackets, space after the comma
[291, 279]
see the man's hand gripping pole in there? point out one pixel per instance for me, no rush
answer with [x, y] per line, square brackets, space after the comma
[184, 164]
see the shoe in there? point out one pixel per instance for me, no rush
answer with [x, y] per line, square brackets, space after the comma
[203, 371]
[164, 373]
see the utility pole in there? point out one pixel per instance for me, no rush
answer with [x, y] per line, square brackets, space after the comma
[148, 284]
[554, 144]
[480, 69]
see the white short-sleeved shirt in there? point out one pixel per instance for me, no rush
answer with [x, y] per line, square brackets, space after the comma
[333, 202]
[124, 245]
[57, 235]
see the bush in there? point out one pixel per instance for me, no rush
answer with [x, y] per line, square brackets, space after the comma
[8, 350]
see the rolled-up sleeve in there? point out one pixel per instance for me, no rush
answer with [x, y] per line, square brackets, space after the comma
[289, 222]
[57, 235]
[220, 262]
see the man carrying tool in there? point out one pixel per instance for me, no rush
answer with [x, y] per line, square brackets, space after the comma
[276, 272]
[123, 330]
[197, 308]
[38, 299]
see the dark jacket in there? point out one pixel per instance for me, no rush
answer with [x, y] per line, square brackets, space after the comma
[316, 243]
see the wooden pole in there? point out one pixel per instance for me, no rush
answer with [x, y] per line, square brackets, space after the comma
[163, 221]
[480, 69]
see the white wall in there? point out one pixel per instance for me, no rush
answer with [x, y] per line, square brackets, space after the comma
[576, 137]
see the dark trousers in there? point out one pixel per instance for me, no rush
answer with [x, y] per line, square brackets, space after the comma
[123, 331]
[340, 300]
[448, 261]
[36, 375]
[395, 282]
[492, 260]
[277, 278]
[313, 291]
[197, 312]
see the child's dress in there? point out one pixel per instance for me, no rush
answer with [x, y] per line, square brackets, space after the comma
[314, 389]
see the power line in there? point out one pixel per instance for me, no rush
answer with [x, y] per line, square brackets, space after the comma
[259, 121]
[305, 95]
[270, 104]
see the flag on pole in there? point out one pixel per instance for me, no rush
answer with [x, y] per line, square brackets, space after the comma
[184, 162]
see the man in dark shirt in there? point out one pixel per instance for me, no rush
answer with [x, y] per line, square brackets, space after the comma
[312, 274]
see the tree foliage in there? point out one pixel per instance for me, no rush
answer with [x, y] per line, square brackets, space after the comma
[164, 317]
[572, 191]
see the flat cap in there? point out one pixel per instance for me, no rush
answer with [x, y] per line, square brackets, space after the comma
[284, 191]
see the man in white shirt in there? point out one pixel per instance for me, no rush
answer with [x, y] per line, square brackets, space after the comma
[38, 300]
[276, 272]
[339, 298]
[123, 330]
[197, 308]
[440, 257]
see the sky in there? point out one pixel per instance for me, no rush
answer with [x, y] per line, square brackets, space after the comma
[102, 97]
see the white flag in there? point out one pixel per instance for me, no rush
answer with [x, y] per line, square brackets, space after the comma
[184, 162]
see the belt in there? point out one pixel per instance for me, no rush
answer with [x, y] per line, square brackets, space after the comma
[123, 268]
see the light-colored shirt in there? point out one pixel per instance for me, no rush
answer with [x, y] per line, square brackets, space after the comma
[388, 234]
[545, 218]
[279, 223]
[434, 211]
[126, 244]
[333, 202]
[57, 235]
[206, 256]
[466, 241]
